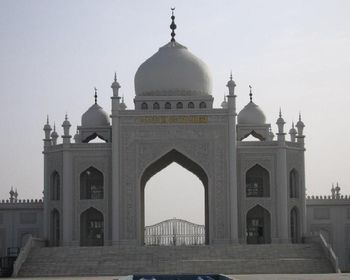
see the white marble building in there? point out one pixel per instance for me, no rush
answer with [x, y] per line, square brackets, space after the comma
[254, 190]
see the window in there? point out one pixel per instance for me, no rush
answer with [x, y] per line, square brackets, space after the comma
[257, 182]
[179, 105]
[91, 184]
[293, 184]
[156, 106]
[55, 186]
[202, 105]
[144, 106]
[167, 105]
[190, 105]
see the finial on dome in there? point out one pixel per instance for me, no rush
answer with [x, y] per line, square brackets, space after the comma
[231, 75]
[95, 96]
[172, 25]
[115, 77]
[250, 93]
[47, 119]
[280, 113]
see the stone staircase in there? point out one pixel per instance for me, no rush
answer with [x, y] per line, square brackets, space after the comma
[232, 259]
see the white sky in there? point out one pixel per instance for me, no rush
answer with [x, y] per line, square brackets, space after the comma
[294, 53]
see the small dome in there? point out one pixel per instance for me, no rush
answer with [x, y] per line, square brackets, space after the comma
[173, 70]
[95, 116]
[251, 114]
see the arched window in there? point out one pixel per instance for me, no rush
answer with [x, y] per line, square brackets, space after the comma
[257, 182]
[55, 186]
[167, 105]
[55, 228]
[190, 105]
[202, 105]
[294, 225]
[179, 105]
[258, 226]
[156, 106]
[91, 184]
[144, 106]
[91, 228]
[293, 184]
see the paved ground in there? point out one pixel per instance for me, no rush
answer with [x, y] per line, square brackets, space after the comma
[341, 276]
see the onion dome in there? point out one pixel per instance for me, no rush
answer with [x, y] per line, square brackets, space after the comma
[280, 120]
[224, 103]
[251, 114]
[66, 122]
[47, 125]
[95, 116]
[175, 71]
[300, 124]
[54, 135]
[293, 131]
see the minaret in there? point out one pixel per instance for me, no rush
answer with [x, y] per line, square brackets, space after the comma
[282, 182]
[115, 86]
[300, 126]
[333, 191]
[47, 129]
[280, 123]
[292, 133]
[54, 135]
[232, 148]
[12, 195]
[16, 195]
[122, 104]
[66, 125]
[77, 137]
[337, 191]
[115, 162]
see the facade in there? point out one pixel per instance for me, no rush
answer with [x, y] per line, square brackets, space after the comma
[94, 192]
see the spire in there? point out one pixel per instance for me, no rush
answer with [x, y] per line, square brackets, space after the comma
[250, 93]
[231, 75]
[280, 113]
[47, 119]
[172, 25]
[95, 96]
[115, 77]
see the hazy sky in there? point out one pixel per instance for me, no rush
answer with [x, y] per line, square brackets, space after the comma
[295, 54]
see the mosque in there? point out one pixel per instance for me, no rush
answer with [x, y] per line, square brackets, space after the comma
[254, 190]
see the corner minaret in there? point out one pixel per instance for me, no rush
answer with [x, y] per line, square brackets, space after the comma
[300, 126]
[115, 86]
[66, 125]
[47, 129]
[280, 123]
[232, 148]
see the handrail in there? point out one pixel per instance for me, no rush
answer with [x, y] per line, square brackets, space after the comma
[330, 253]
[23, 254]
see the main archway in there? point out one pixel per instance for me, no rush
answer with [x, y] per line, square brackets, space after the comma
[188, 164]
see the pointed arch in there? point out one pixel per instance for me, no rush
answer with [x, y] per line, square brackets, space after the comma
[294, 225]
[55, 186]
[257, 182]
[293, 183]
[156, 106]
[91, 228]
[254, 134]
[202, 105]
[179, 105]
[55, 228]
[185, 162]
[93, 136]
[258, 225]
[167, 105]
[91, 184]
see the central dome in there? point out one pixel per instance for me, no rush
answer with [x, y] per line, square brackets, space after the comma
[174, 71]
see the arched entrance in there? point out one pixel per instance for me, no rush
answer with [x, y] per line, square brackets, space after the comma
[91, 228]
[294, 225]
[258, 226]
[185, 162]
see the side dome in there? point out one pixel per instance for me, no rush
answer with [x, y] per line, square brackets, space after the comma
[175, 71]
[95, 116]
[251, 114]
